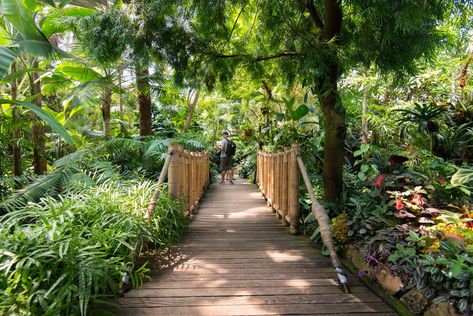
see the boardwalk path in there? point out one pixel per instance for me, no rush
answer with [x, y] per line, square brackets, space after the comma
[238, 259]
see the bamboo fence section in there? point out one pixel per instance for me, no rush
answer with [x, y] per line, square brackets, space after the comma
[278, 179]
[188, 177]
[278, 176]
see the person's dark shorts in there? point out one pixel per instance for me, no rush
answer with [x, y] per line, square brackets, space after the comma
[226, 163]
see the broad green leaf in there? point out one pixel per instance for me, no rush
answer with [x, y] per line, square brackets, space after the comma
[79, 12]
[21, 19]
[462, 177]
[75, 110]
[52, 23]
[20, 73]
[36, 47]
[289, 103]
[300, 112]
[77, 71]
[52, 122]
[280, 117]
[7, 56]
[5, 37]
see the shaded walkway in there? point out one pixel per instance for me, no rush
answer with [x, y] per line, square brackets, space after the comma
[238, 259]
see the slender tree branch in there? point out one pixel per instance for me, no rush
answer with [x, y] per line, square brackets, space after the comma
[262, 58]
[227, 56]
[278, 55]
[310, 6]
[236, 21]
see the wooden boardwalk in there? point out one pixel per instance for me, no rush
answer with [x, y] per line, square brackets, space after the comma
[238, 259]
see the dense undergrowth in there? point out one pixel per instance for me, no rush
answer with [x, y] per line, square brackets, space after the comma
[72, 238]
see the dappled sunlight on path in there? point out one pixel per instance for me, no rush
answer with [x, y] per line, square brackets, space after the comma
[239, 259]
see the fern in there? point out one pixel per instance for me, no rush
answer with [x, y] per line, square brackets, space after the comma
[155, 148]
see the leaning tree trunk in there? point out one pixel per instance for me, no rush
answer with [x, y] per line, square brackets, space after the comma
[38, 134]
[16, 134]
[144, 99]
[106, 102]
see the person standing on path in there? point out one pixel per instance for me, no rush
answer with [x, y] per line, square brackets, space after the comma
[226, 162]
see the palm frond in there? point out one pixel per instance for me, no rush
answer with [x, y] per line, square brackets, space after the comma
[156, 148]
[48, 184]
[72, 158]
[195, 145]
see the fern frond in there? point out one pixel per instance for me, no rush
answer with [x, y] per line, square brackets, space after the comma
[156, 148]
[72, 158]
[48, 184]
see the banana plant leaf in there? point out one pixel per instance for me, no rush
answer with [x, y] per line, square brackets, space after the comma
[51, 121]
[7, 56]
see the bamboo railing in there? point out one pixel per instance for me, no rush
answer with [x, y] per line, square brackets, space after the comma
[278, 176]
[188, 177]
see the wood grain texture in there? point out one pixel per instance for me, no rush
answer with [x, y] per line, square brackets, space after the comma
[239, 259]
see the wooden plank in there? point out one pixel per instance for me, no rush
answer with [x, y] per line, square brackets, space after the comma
[237, 283]
[242, 300]
[241, 291]
[258, 309]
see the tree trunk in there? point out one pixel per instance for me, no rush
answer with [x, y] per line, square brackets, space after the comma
[334, 113]
[334, 145]
[38, 135]
[106, 102]
[191, 104]
[144, 99]
[16, 134]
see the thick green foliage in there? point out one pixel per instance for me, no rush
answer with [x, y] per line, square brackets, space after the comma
[104, 36]
[58, 256]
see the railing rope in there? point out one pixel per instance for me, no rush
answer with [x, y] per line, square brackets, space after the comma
[188, 177]
[325, 231]
[278, 177]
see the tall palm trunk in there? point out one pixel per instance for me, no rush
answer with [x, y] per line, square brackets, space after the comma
[39, 138]
[16, 134]
[144, 98]
[106, 103]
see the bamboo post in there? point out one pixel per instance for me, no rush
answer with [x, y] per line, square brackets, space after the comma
[324, 225]
[206, 169]
[257, 170]
[261, 172]
[194, 179]
[271, 181]
[188, 180]
[285, 187]
[199, 175]
[181, 169]
[173, 170]
[264, 175]
[294, 190]
[277, 179]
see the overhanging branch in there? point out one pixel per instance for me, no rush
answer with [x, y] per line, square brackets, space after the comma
[261, 58]
[278, 55]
